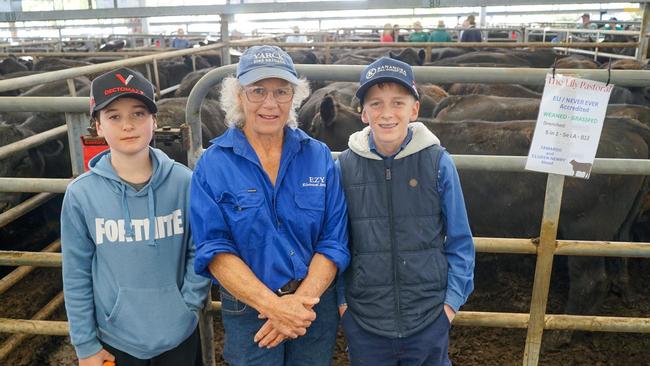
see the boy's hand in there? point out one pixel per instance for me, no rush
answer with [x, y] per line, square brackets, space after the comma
[451, 314]
[342, 309]
[97, 359]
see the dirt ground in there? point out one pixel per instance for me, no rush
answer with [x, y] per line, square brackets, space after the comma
[508, 292]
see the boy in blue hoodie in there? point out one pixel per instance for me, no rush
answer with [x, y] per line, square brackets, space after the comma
[131, 294]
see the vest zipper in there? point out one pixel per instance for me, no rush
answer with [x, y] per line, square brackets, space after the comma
[393, 245]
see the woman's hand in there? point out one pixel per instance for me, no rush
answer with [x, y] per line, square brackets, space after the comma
[97, 359]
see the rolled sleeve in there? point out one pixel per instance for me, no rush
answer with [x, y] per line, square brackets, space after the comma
[459, 246]
[333, 240]
[210, 231]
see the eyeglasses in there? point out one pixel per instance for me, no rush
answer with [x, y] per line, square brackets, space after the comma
[258, 94]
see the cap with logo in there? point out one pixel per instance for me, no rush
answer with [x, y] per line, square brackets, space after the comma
[386, 70]
[120, 83]
[263, 62]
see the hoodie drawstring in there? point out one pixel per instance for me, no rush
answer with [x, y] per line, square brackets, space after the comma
[152, 216]
[126, 214]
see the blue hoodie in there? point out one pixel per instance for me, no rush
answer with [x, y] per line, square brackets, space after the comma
[133, 290]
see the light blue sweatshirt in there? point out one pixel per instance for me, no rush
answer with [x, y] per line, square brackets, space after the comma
[128, 274]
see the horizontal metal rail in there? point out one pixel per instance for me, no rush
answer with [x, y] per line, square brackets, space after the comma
[450, 44]
[115, 54]
[482, 244]
[15, 340]
[34, 185]
[463, 319]
[19, 273]
[24, 207]
[32, 80]
[32, 141]
[492, 163]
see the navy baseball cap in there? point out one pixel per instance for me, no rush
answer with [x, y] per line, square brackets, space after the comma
[120, 83]
[263, 62]
[386, 70]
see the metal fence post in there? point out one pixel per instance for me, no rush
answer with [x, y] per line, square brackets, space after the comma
[206, 329]
[77, 123]
[642, 51]
[157, 77]
[543, 267]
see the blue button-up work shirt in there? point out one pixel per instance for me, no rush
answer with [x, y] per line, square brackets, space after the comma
[275, 230]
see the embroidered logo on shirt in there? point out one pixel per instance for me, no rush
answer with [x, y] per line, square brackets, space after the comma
[315, 182]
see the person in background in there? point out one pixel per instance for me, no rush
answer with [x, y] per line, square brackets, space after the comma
[613, 25]
[296, 37]
[387, 35]
[412, 265]
[130, 290]
[418, 35]
[180, 41]
[396, 36]
[471, 34]
[270, 220]
[586, 22]
[440, 34]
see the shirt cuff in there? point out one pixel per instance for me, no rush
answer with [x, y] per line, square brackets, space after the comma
[87, 349]
[454, 300]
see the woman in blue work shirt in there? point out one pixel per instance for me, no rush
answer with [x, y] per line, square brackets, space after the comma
[269, 220]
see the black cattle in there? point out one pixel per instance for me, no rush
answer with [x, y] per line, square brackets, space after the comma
[12, 65]
[510, 204]
[112, 45]
[190, 80]
[171, 113]
[500, 90]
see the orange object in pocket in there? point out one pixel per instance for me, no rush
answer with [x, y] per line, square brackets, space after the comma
[109, 363]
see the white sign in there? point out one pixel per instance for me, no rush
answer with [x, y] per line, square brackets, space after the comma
[568, 126]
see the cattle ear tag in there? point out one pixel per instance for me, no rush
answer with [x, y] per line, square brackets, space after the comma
[413, 182]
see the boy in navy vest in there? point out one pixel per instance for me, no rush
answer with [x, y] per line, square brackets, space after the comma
[412, 251]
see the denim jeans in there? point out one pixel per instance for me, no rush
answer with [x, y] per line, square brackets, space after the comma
[428, 347]
[315, 348]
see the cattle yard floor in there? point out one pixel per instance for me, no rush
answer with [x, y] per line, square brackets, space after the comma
[509, 292]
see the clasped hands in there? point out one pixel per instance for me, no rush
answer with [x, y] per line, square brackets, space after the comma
[288, 317]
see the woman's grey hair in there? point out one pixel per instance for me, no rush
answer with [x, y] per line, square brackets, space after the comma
[231, 89]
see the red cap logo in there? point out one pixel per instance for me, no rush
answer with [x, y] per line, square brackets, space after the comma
[123, 80]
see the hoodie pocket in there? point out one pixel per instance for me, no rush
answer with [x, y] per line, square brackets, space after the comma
[151, 318]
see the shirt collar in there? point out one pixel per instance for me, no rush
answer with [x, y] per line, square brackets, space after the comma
[373, 147]
[234, 138]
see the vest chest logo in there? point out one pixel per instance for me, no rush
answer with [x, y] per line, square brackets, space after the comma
[315, 182]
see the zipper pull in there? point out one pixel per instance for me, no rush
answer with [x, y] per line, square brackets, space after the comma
[388, 176]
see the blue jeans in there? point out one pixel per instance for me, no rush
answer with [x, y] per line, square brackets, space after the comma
[429, 347]
[315, 348]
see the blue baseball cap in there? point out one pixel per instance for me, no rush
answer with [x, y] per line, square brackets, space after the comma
[263, 62]
[386, 70]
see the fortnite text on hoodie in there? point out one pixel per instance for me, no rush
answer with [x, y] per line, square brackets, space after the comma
[114, 230]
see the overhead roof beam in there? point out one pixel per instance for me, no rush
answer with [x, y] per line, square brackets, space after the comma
[147, 12]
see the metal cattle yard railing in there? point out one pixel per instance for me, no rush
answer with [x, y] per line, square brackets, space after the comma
[536, 321]
[429, 46]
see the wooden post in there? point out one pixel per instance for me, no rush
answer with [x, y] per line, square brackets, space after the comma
[543, 268]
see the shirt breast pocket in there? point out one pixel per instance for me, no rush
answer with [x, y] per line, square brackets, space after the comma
[311, 209]
[244, 213]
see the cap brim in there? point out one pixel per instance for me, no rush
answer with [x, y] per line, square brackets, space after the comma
[361, 92]
[267, 73]
[151, 105]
